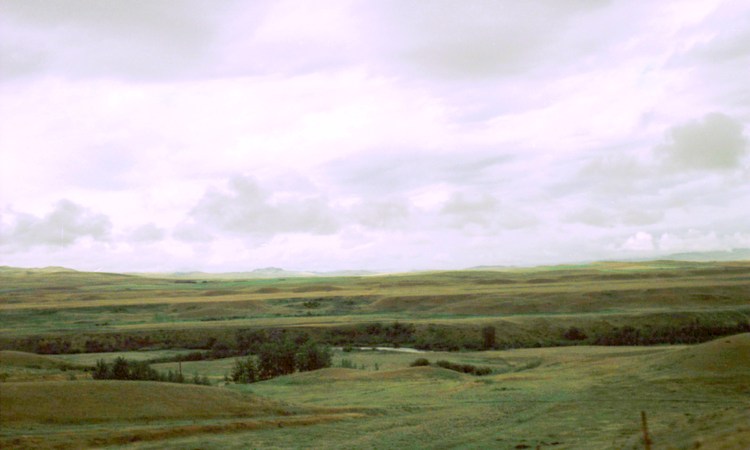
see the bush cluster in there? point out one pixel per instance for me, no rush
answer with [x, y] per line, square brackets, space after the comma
[419, 362]
[122, 369]
[463, 368]
[574, 334]
[282, 357]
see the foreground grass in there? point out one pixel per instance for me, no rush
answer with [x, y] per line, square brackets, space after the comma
[559, 398]
[573, 398]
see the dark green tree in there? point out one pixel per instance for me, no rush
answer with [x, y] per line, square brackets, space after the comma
[120, 369]
[101, 371]
[245, 371]
[276, 358]
[488, 337]
[312, 356]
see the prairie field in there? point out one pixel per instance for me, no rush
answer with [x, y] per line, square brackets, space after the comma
[575, 355]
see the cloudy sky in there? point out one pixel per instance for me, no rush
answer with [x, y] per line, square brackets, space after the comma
[217, 135]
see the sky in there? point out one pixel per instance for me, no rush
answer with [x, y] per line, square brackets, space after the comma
[389, 135]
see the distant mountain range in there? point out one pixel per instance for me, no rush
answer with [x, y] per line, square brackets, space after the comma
[266, 272]
[737, 254]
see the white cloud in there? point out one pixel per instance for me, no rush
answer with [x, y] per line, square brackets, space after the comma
[639, 242]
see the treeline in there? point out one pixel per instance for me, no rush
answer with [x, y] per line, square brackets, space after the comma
[693, 333]
[123, 369]
[274, 359]
[396, 334]
[227, 342]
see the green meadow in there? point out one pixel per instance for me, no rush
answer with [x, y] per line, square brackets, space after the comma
[576, 354]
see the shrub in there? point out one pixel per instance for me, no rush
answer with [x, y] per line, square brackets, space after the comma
[220, 350]
[464, 368]
[481, 371]
[488, 337]
[120, 370]
[311, 356]
[245, 371]
[420, 362]
[101, 371]
[250, 341]
[445, 364]
[347, 364]
[574, 334]
[276, 359]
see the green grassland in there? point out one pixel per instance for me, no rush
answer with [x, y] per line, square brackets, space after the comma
[546, 390]
[561, 398]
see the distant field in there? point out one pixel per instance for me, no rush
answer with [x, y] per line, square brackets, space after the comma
[530, 304]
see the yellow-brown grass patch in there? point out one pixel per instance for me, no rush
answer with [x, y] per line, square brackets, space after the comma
[729, 355]
[23, 359]
[405, 374]
[101, 401]
[129, 435]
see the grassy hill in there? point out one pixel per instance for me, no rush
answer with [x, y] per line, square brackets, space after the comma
[10, 358]
[727, 356]
[101, 401]
[24, 366]
[82, 414]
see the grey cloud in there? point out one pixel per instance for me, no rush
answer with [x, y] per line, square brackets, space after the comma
[596, 217]
[384, 172]
[158, 39]
[393, 213]
[725, 37]
[609, 176]
[248, 209]
[189, 231]
[714, 143]
[142, 39]
[104, 167]
[445, 39]
[718, 58]
[485, 211]
[147, 233]
[62, 227]
[613, 216]
[479, 210]
[732, 44]
[641, 216]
